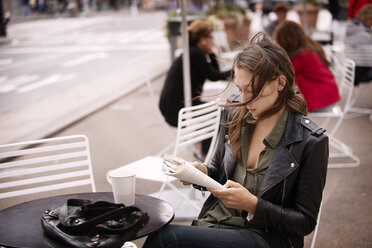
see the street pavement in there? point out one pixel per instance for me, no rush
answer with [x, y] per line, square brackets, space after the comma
[50, 79]
[129, 128]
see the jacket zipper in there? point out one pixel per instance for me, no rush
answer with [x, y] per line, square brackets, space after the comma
[283, 194]
[290, 243]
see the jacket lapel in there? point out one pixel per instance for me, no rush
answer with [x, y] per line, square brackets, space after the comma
[283, 163]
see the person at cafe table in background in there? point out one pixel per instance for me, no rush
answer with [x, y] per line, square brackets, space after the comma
[280, 10]
[203, 65]
[312, 76]
[359, 33]
[270, 157]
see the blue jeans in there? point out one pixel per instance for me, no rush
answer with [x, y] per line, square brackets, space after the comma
[177, 236]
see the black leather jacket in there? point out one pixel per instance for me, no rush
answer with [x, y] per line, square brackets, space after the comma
[291, 192]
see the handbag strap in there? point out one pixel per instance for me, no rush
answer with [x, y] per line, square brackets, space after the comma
[86, 208]
[113, 211]
[98, 208]
[88, 204]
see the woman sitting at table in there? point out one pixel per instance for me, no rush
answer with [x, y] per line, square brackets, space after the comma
[203, 65]
[312, 75]
[271, 159]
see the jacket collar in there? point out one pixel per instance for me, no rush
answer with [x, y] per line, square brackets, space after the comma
[293, 133]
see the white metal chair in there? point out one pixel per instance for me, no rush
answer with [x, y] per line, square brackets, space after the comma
[339, 111]
[45, 165]
[198, 123]
[347, 84]
[362, 56]
[195, 124]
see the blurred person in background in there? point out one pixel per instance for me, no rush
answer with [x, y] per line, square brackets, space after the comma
[203, 65]
[4, 17]
[312, 76]
[354, 7]
[280, 10]
[334, 9]
[358, 32]
[26, 7]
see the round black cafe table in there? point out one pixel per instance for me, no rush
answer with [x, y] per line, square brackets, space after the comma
[20, 224]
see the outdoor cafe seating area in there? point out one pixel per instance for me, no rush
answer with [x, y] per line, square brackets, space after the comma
[72, 163]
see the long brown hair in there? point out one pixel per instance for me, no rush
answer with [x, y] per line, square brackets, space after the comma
[293, 39]
[266, 61]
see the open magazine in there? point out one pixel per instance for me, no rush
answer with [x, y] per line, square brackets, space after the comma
[178, 167]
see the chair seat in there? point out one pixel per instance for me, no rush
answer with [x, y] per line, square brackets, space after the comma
[336, 112]
[148, 168]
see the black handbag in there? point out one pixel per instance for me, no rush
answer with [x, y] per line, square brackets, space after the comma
[83, 223]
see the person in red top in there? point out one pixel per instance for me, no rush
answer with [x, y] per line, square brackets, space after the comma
[312, 76]
[354, 7]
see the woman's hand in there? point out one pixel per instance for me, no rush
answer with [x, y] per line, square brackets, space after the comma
[198, 166]
[234, 195]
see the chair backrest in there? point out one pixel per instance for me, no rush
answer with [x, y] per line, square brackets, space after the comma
[198, 123]
[347, 83]
[361, 54]
[345, 87]
[45, 165]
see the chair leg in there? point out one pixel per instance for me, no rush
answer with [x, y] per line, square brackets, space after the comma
[191, 192]
[345, 152]
[179, 192]
[356, 112]
[353, 112]
[183, 196]
[161, 190]
[165, 149]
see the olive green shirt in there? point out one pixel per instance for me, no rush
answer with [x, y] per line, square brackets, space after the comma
[249, 178]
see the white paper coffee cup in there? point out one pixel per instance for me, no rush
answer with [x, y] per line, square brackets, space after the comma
[123, 184]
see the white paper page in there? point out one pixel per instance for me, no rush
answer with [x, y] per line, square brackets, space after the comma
[185, 171]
